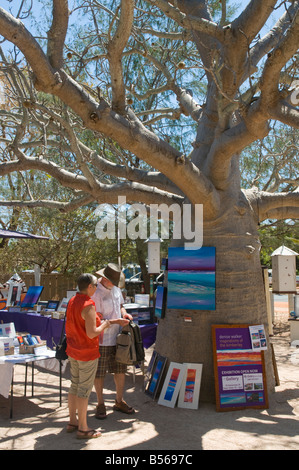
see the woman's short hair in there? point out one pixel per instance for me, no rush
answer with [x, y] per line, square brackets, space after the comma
[84, 280]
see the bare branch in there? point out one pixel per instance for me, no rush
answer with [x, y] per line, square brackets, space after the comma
[277, 205]
[286, 113]
[287, 47]
[189, 22]
[269, 41]
[230, 143]
[15, 31]
[57, 33]
[253, 18]
[152, 178]
[50, 204]
[103, 193]
[282, 213]
[115, 50]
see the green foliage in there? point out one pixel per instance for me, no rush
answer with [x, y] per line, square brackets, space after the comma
[72, 246]
[278, 234]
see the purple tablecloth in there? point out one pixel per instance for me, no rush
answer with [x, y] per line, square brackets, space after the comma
[49, 329]
[148, 333]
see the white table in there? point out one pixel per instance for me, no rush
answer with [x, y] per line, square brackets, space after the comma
[45, 359]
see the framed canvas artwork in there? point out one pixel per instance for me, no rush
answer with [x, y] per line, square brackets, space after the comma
[14, 293]
[53, 304]
[156, 376]
[149, 370]
[160, 302]
[63, 305]
[32, 296]
[172, 384]
[192, 278]
[190, 388]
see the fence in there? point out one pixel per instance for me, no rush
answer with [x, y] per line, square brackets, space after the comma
[55, 285]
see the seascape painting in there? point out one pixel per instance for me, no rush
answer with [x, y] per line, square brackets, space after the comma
[191, 278]
[190, 384]
[190, 388]
[172, 384]
[156, 375]
[159, 306]
[157, 366]
[32, 296]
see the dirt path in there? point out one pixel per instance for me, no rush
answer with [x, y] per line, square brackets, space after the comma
[39, 423]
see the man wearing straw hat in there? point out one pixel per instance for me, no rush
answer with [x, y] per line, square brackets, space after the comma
[109, 302]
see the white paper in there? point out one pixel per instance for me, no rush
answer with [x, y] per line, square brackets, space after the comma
[258, 337]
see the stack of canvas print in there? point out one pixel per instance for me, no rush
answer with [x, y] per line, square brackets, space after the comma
[182, 382]
[154, 374]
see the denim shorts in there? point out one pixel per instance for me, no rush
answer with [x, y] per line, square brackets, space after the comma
[82, 377]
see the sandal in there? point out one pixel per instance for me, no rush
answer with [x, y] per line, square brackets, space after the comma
[101, 412]
[71, 427]
[90, 434]
[123, 407]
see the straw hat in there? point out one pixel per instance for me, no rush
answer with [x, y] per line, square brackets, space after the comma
[114, 274]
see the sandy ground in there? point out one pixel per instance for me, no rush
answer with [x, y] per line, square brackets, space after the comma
[39, 422]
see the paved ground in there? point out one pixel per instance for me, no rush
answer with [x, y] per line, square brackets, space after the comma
[39, 422]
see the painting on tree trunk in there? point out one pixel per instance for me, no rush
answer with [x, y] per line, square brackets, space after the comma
[191, 278]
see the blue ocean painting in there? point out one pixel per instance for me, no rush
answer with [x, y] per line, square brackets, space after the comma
[32, 296]
[159, 301]
[156, 374]
[191, 279]
[172, 384]
[233, 399]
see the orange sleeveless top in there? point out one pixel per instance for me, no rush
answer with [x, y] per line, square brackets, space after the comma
[79, 345]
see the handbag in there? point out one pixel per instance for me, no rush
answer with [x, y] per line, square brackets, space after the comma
[61, 354]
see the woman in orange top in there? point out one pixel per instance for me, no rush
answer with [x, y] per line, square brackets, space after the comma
[83, 328]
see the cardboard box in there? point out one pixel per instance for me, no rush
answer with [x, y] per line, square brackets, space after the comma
[6, 346]
[25, 349]
[58, 315]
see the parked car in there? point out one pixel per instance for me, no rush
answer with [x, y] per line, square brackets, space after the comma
[136, 279]
[130, 270]
[134, 283]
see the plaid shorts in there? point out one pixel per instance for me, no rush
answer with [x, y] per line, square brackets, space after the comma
[107, 362]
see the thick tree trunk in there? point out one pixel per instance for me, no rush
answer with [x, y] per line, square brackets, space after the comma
[240, 296]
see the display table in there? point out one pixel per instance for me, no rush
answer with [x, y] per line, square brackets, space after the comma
[49, 329]
[7, 364]
[148, 333]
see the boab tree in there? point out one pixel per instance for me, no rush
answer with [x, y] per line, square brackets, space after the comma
[155, 100]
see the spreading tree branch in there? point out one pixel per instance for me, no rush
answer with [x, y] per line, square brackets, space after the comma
[57, 33]
[276, 205]
[115, 50]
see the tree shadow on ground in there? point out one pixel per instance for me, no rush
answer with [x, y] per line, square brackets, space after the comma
[42, 421]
